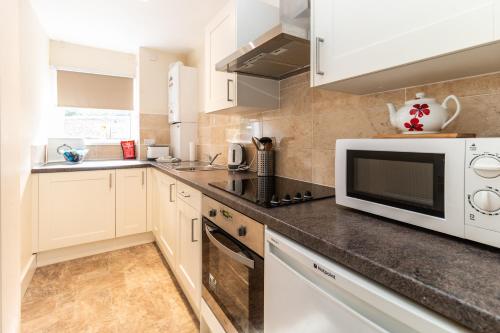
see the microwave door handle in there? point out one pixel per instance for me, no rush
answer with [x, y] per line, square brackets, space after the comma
[236, 256]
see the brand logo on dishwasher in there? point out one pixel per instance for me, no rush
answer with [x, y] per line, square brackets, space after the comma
[323, 270]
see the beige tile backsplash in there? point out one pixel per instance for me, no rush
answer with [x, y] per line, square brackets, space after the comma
[153, 126]
[310, 120]
[104, 152]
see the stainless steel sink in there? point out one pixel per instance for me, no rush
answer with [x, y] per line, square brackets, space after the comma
[198, 168]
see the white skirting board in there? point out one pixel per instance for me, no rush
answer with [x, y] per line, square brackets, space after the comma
[27, 274]
[85, 250]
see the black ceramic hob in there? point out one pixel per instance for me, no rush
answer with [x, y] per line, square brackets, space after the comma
[275, 191]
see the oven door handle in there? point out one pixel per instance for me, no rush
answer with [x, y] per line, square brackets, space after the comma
[224, 249]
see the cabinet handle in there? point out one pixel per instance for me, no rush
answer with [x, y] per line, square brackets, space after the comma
[227, 86]
[110, 181]
[319, 40]
[171, 197]
[185, 195]
[142, 178]
[192, 231]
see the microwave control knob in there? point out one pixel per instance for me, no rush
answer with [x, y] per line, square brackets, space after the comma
[242, 231]
[486, 166]
[487, 200]
[212, 213]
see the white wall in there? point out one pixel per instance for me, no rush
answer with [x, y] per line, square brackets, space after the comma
[196, 59]
[35, 103]
[10, 109]
[92, 60]
[153, 79]
[23, 82]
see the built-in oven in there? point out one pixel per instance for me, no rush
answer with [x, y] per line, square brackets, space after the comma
[233, 268]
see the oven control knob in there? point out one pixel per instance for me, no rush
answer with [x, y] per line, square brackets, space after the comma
[487, 200]
[242, 231]
[486, 166]
[212, 213]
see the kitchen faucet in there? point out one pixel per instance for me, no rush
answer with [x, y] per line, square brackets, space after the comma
[212, 159]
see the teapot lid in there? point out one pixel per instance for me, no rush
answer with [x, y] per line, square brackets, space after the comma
[420, 98]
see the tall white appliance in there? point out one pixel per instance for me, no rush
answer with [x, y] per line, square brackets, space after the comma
[182, 109]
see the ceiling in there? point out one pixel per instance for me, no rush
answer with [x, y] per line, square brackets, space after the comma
[126, 25]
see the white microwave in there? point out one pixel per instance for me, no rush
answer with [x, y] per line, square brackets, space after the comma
[447, 185]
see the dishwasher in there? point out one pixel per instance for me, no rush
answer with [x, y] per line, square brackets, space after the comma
[306, 292]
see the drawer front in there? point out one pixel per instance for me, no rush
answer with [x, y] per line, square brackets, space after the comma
[189, 195]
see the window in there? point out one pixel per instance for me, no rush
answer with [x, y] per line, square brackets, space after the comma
[94, 107]
[97, 124]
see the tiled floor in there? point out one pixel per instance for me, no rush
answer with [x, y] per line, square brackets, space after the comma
[129, 290]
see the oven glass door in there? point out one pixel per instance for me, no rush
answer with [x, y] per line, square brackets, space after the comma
[410, 181]
[233, 281]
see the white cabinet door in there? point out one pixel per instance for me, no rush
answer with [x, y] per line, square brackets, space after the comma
[155, 204]
[131, 207]
[168, 233]
[220, 41]
[76, 208]
[353, 38]
[189, 255]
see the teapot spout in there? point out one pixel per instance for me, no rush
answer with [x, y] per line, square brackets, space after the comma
[392, 114]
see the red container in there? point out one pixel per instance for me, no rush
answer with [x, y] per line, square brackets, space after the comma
[128, 148]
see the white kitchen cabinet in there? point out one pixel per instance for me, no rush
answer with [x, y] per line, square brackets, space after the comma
[76, 208]
[167, 217]
[131, 214]
[189, 251]
[222, 37]
[155, 203]
[351, 39]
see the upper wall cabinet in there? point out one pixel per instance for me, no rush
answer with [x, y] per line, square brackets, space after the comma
[362, 47]
[235, 25]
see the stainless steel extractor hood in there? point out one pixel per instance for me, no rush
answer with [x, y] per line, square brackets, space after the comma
[279, 53]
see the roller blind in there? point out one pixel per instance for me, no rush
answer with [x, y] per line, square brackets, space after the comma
[94, 91]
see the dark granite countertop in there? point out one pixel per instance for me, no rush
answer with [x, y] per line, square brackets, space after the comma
[455, 278]
[88, 166]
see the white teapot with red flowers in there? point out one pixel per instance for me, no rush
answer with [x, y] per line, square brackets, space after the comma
[422, 115]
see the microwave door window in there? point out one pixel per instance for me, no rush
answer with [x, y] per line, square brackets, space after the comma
[411, 181]
[396, 180]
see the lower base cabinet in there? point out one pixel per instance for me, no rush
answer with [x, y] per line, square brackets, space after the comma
[88, 206]
[164, 206]
[81, 207]
[130, 202]
[189, 255]
[176, 217]
[75, 208]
